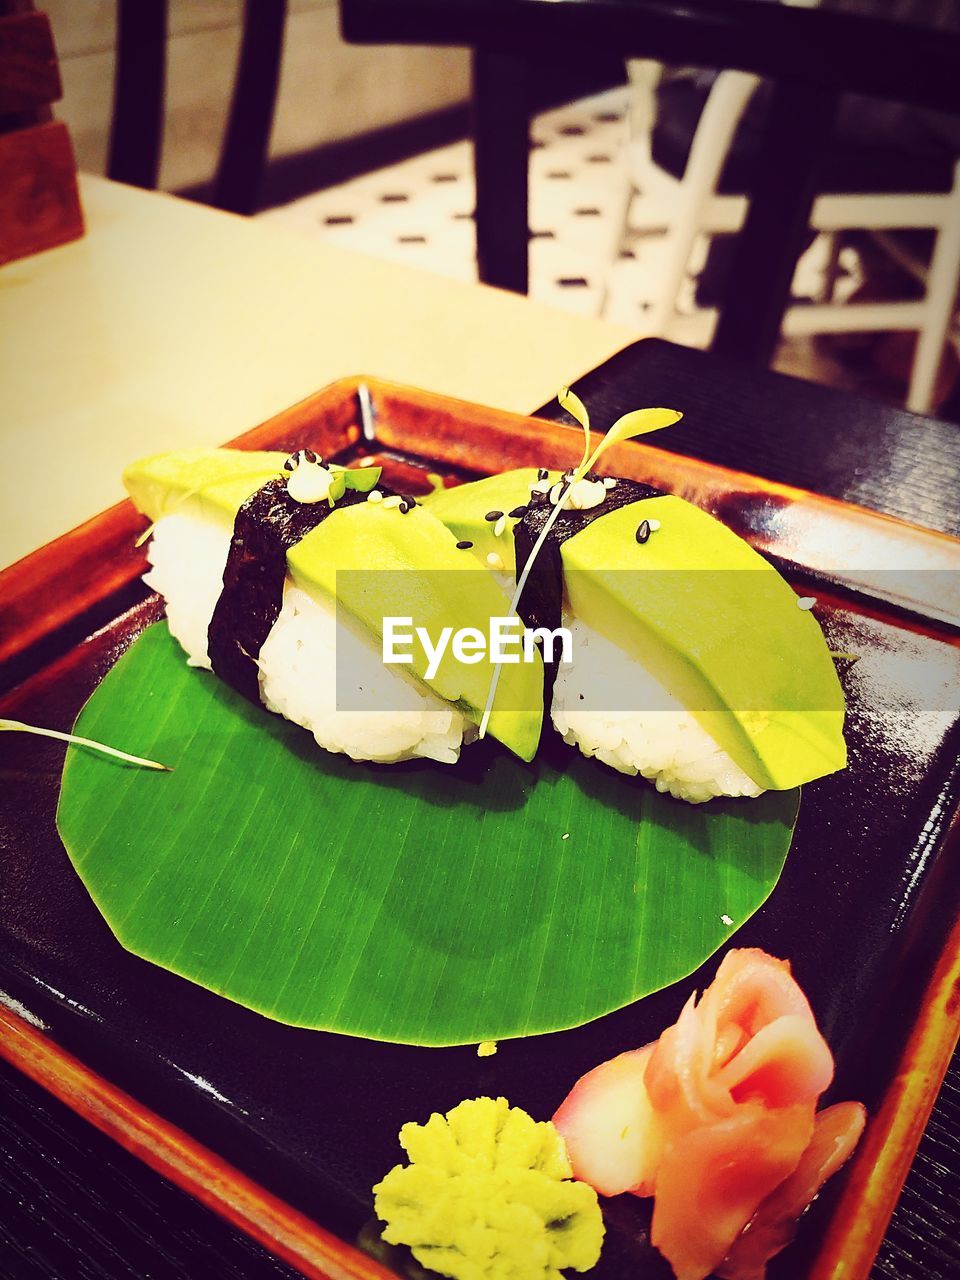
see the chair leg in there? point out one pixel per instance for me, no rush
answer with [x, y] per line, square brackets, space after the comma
[765, 255]
[236, 186]
[832, 268]
[721, 115]
[941, 299]
[139, 86]
[644, 75]
[501, 148]
[624, 195]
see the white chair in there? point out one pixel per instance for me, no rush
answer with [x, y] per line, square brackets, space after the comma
[689, 207]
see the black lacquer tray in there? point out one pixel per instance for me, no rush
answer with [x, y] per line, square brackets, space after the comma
[285, 1130]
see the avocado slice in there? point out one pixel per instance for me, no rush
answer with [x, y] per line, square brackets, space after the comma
[374, 562]
[378, 563]
[464, 508]
[718, 626]
[215, 482]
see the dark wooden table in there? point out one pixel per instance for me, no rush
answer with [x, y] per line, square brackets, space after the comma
[813, 55]
[75, 1207]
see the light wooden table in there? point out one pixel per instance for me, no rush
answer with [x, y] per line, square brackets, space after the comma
[170, 324]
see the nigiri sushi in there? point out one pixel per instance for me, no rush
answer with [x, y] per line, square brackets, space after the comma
[277, 573]
[692, 663]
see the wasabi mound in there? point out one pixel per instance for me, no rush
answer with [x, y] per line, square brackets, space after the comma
[487, 1196]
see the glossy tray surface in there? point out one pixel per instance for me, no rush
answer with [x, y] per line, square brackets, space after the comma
[861, 910]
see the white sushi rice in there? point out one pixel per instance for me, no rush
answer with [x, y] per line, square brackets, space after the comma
[188, 555]
[390, 719]
[666, 745]
[299, 680]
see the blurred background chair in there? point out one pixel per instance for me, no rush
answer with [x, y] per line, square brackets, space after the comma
[812, 57]
[693, 157]
[688, 157]
[136, 133]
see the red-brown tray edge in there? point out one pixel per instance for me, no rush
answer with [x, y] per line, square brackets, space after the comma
[173, 1153]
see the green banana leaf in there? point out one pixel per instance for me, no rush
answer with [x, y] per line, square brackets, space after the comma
[419, 903]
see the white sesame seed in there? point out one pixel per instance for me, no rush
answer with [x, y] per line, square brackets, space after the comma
[393, 501]
[486, 1048]
[565, 836]
[654, 525]
[368, 462]
[374, 496]
[727, 920]
[499, 527]
[494, 561]
[609, 482]
[806, 602]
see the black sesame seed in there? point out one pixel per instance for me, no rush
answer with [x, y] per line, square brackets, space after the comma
[493, 516]
[309, 455]
[407, 498]
[289, 465]
[464, 546]
[643, 531]
[405, 507]
[543, 474]
[517, 512]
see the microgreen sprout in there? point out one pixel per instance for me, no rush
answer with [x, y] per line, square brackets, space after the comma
[17, 726]
[628, 427]
[363, 479]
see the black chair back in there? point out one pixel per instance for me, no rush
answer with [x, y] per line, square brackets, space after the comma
[136, 134]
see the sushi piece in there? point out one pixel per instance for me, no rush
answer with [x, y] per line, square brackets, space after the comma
[693, 664]
[277, 574]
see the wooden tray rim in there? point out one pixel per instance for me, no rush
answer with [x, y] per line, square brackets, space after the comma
[108, 537]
